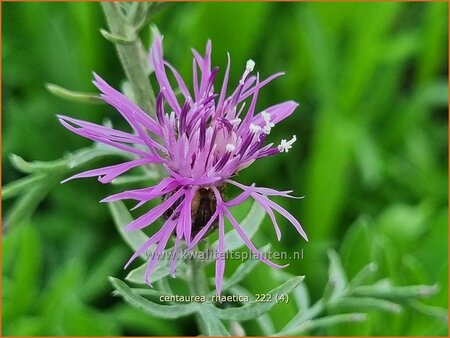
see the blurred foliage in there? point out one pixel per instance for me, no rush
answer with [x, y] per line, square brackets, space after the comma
[371, 158]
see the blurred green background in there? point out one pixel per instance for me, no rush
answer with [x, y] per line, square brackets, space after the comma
[371, 156]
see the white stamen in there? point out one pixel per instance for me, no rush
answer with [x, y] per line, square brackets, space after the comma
[230, 147]
[248, 68]
[236, 121]
[254, 128]
[286, 145]
[269, 125]
[250, 65]
[267, 128]
[266, 116]
[240, 110]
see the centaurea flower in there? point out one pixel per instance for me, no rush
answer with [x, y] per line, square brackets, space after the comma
[201, 143]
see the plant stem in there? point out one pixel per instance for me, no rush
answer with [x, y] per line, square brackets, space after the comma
[198, 285]
[131, 56]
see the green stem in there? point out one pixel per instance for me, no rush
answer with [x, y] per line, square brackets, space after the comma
[198, 285]
[131, 56]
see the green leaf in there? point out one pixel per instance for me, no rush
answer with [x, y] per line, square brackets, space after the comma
[250, 225]
[122, 217]
[264, 321]
[255, 309]
[302, 317]
[147, 292]
[154, 309]
[337, 279]
[73, 96]
[38, 166]
[384, 289]
[26, 273]
[27, 203]
[114, 38]
[324, 322]
[108, 263]
[70, 161]
[63, 284]
[364, 275]
[211, 323]
[300, 294]
[82, 320]
[429, 310]
[86, 155]
[16, 187]
[367, 303]
[357, 247]
[134, 320]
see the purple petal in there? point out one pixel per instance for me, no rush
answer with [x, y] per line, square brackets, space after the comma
[152, 215]
[248, 242]
[148, 243]
[202, 232]
[145, 194]
[223, 91]
[278, 112]
[286, 214]
[271, 215]
[131, 112]
[168, 229]
[180, 81]
[107, 174]
[187, 217]
[96, 129]
[156, 57]
[220, 261]
[258, 87]
[102, 139]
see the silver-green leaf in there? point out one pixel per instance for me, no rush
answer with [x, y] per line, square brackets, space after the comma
[154, 309]
[211, 324]
[255, 309]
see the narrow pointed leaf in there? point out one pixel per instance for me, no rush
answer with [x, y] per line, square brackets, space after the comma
[264, 321]
[16, 187]
[71, 95]
[363, 275]
[255, 309]
[38, 166]
[367, 303]
[337, 279]
[153, 309]
[324, 322]
[212, 324]
[394, 292]
[114, 38]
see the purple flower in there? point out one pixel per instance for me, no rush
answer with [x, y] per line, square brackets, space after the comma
[202, 141]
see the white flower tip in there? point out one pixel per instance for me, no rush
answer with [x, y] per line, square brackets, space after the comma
[254, 128]
[269, 125]
[267, 129]
[236, 121]
[286, 145]
[250, 65]
[230, 147]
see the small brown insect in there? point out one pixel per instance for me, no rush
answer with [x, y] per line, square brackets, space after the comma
[203, 206]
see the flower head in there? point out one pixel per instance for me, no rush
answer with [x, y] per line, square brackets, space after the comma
[202, 140]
